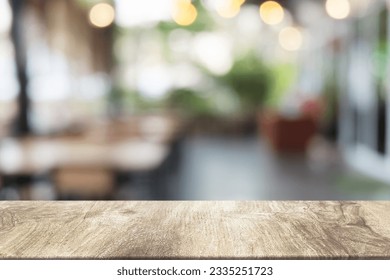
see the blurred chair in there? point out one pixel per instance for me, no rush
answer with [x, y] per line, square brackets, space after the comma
[84, 183]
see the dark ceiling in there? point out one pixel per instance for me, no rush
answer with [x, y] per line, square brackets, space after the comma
[288, 4]
[284, 3]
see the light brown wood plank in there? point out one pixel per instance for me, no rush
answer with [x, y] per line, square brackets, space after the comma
[260, 230]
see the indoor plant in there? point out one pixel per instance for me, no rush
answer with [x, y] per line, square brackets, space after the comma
[288, 130]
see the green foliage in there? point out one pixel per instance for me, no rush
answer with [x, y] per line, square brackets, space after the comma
[284, 75]
[250, 84]
[122, 99]
[353, 183]
[190, 102]
[88, 3]
[251, 79]
[202, 23]
[380, 57]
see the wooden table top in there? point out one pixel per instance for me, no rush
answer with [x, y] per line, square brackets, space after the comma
[193, 230]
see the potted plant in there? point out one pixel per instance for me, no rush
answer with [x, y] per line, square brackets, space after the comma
[288, 130]
[291, 133]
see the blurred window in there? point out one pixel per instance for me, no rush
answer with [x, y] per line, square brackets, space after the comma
[61, 87]
[9, 84]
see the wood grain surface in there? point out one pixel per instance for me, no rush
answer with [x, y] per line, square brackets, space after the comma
[195, 230]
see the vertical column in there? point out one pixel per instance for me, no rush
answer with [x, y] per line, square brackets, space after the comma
[388, 92]
[22, 121]
[371, 122]
[345, 114]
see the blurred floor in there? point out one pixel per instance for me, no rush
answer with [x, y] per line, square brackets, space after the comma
[222, 168]
[245, 169]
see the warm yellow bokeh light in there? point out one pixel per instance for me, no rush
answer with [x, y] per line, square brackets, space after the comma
[229, 8]
[271, 12]
[338, 9]
[184, 13]
[102, 15]
[290, 39]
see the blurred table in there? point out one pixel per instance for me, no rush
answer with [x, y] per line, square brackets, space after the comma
[37, 155]
[195, 230]
[150, 128]
[90, 160]
[130, 144]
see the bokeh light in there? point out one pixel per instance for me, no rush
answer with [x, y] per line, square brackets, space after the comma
[102, 15]
[290, 39]
[271, 12]
[136, 13]
[184, 12]
[338, 9]
[214, 52]
[229, 8]
[6, 16]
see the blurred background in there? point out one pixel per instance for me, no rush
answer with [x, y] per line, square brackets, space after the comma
[194, 100]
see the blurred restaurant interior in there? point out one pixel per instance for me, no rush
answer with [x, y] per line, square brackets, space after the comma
[194, 100]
